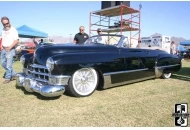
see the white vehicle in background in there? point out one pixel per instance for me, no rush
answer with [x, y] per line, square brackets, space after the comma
[48, 40]
[156, 42]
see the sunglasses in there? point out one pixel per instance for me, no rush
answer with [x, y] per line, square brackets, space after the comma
[6, 24]
[99, 31]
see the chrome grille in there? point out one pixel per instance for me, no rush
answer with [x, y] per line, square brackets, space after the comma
[39, 72]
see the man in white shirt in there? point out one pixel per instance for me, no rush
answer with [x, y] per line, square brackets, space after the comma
[173, 48]
[101, 39]
[9, 41]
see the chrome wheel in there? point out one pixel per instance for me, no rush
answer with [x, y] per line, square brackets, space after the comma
[85, 81]
[166, 75]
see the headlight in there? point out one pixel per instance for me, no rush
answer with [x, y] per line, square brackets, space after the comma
[22, 59]
[50, 64]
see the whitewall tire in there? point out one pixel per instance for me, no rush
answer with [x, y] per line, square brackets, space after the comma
[83, 82]
[166, 75]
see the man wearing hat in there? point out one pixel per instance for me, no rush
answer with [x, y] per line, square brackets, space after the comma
[10, 39]
[101, 39]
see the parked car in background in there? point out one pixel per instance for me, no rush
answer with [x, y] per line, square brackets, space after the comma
[27, 48]
[80, 69]
[183, 51]
[22, 49]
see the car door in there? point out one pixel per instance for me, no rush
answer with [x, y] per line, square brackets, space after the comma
[136, 64]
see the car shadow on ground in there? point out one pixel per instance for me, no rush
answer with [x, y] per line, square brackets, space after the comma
[183, 74]
[180, 77]
[36, 94]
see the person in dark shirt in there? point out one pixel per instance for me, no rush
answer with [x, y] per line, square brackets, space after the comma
[81, 37]
[41, 42]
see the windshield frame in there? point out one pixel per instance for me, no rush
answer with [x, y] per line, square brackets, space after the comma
[119, 44]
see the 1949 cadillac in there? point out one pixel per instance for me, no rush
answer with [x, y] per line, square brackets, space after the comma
[80, 69]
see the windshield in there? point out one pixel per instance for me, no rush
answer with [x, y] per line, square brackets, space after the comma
[47, 43]
[104, 39]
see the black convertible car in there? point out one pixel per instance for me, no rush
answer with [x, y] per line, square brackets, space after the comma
[80, 69]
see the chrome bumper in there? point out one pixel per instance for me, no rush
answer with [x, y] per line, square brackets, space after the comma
[31, 85]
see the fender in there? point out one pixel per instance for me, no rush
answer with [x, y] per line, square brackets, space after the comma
[167, 59]
[166, 63]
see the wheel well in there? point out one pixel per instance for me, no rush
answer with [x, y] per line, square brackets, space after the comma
[100, 79]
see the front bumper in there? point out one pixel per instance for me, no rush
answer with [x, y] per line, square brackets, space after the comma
[32, 85]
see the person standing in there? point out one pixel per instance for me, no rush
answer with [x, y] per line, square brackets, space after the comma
[173, 48]
[36, 43]
[81, 37]
[41, 42]
[101, 39]
[9, 40]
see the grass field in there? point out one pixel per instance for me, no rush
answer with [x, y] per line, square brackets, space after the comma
[148, 103]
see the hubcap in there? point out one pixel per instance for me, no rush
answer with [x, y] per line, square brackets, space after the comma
[167, 75]
[84, 81]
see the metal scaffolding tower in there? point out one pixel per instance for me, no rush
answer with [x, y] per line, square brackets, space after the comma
[118, 19]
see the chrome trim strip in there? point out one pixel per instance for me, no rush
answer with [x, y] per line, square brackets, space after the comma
[59, 76]
[58, 80]
[159, 69]
[38, 66]
[62, 78]
[126, 71]
[39, 73]
[38, 79]
[108, 83]
[111, 73]
[41, 80]
[166, 66]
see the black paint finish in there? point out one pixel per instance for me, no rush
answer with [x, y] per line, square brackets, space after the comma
[71, 57]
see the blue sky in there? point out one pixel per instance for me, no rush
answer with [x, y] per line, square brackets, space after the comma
[64, 18]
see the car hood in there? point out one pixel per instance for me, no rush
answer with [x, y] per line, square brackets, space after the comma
[44, 52]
